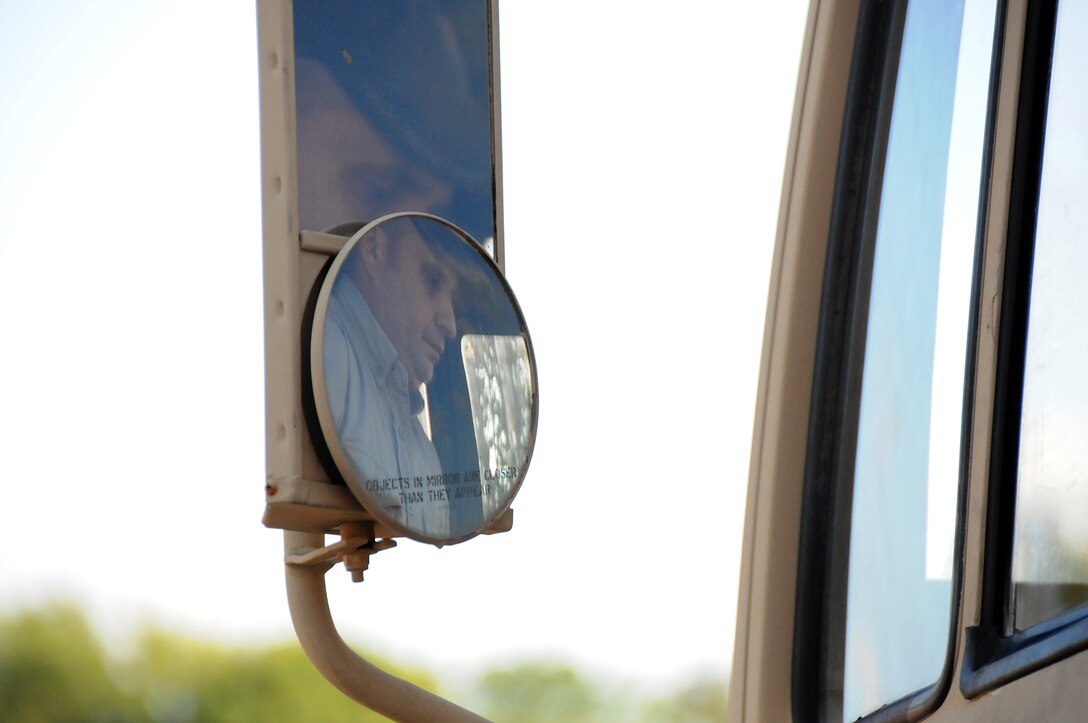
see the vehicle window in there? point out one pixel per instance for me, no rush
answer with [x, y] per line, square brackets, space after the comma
[1050, 539]
[907, 459]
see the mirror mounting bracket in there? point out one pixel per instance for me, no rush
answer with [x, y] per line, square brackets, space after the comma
[357, 543]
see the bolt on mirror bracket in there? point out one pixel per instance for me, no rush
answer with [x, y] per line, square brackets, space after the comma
[357, 543]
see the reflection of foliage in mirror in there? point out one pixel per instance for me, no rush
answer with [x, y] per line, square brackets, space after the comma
[500, 388]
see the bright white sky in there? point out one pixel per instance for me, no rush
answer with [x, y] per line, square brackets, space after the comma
[643, 150]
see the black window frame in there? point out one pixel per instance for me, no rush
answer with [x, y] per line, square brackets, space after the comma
[994, 653]
[823, 559]
[840, 344]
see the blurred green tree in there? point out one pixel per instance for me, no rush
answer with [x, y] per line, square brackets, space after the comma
[53, 668]
[186, 680]
[705, 701]
[539, 693]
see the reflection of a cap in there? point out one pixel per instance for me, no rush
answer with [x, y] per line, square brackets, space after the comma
[481, 301]
[417, 69]
[463, 261]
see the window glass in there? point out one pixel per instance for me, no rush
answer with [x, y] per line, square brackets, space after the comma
[500, 387]
[906, 466]
[1050, 543]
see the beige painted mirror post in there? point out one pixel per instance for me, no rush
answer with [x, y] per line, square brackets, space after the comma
[419, 395]
[385, 428]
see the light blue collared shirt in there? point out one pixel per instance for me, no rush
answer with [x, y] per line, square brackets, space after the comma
[376, 415]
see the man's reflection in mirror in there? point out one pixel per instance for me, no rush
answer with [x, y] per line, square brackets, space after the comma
[390, 316]
[393, 111]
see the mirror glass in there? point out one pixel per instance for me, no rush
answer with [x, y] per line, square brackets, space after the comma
[423, 379]
[393, 111]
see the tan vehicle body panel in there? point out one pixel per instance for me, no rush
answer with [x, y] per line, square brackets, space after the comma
[762, 663]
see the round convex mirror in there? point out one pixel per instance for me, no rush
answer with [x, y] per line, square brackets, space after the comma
[423, 380]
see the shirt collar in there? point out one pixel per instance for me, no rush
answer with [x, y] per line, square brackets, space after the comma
[380, 353]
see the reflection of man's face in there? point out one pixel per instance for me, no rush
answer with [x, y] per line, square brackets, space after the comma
[409, 289]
